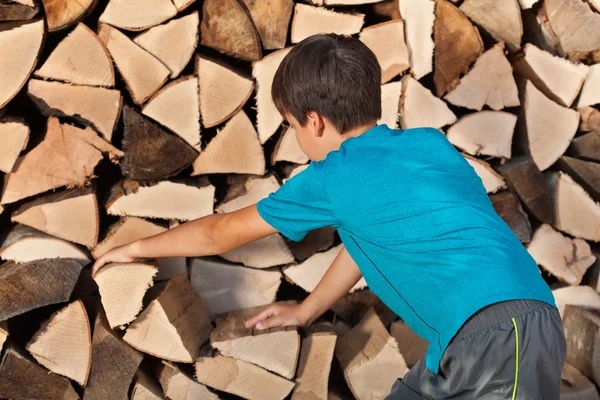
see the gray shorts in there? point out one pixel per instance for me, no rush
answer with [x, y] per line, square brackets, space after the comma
[481, 361]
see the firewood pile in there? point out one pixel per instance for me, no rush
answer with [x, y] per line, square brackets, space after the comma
[120, 119]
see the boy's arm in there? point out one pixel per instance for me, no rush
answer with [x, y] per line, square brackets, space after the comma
[210, 235]
[341, 276]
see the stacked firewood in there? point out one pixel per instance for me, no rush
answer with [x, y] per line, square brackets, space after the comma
[120, 119]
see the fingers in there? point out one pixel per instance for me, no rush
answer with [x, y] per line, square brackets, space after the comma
[272, 322]
[265, 314]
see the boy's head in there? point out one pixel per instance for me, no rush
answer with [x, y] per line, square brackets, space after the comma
[328, 85]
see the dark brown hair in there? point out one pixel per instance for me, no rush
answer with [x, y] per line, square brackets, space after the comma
[336, 76]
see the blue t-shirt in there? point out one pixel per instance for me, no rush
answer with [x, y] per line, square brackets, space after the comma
[415, 217]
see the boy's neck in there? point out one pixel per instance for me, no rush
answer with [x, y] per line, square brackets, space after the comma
[357, 131]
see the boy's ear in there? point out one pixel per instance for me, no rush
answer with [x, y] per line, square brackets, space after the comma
[316, 123]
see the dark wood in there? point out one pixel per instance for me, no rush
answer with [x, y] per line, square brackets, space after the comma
[526, 180]
[318, 240]
[508, 207]
[152, 153]
[384, 11]
[589, 119]
[12, 11]
[581, 328]
[353, 307]
[35, 284]
[272, 19]
[586, 173]
[586, 146]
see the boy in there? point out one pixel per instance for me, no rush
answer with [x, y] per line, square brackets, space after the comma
[415, 220]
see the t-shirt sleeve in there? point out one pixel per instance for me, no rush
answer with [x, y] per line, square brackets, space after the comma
[300, 205]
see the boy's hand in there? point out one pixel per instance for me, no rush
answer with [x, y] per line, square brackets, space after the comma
[118, 254]
[278, 315]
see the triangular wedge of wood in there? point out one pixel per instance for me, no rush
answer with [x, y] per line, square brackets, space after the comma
[419, 107]
[574, 385]
[587, 173]
[172, 43]
[502, 20]
[390, 104]
[14, 136]
[137, 15]
[177, 385]
[126, 230]
[583, 296]
[16, 11]
[386, 40]
[173, 326]
[288, 149]
[590, 92]
[508, 207]
[352, 307]
[418, 16]
[586, 146]
[271, 19]
[309, 20]
[183, 4]
[589, 119]
[581, 327]
[411, 346]
[63, 344]
[61, 14]
[81, 59]
[492, 181]
[145, 387]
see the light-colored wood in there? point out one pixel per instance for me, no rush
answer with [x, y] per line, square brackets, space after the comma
[143, 73]
[549, 127]
[390, 104]
[295, 171]
[223, 92]
[411, 346]
[173, 326]
[29, 3]
[567, 259]
[19, 50]
[594, 4]
[81, 59]
[309, 20]
[263, 253]
[247, 191]
[484, 133]
[576, 386]
[492, 181]
[178, 386]
[583, 296]
[236, 149]
[576, 213]
[145, 387]
[312, 377]
[90, 137]
[419, 107]
[418, 18]
[586, 173]
[122, 287]
[61, 14]
[63, 344]
[502, 20]
[271, 19]
[14, 136]
[172, 43]
[275, 349]
[176, 107]
[241, 378]
[24, 244]
[71, 215]
[288, 149]
[126, 230]
[527, 4]
[309, 273]
[345, 2]
[590, 92]
[268, 118]
[490, 82]
[3, 333]
[386, 40]
[226, 287]
[137, 15]
[559, 79]
[370, 358]
[183, 4]
[589, 121]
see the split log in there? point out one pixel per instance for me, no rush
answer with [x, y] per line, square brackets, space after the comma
[419, 107]
[182, 4]
[114, 364]
[370, 359]
[241, 378]
[576, 213]
[23, 379]
[386, 40]
[411, 346]
[591, 88]
[559, 79]
[590, 119]
[3, 334]
[15, 11]
[484, 133]
[288, 149]
[146, 387]
[14, 136]
[587, 146]
[143, 73]
[177, 385]
[20, 48]
[574, 385]
[97, 107]
[315, 241]
[24, 244]
[271, 19]
[492, 181]
[581, 296]
[152, 153]
[176, 107]
[587, 174]
[490, 82]
[61, 14]
[419, 17]
[81, 59]
[581, 332]
[89, 136]
[268, 118]
[122, 287]
[172, 43]
[342, 2]
[567, 259]
[275, 349]
[501, 20]
[457, 46]
[227, 27]
[354, 306]
[309, 20]
[223, 91]
[173, 326]
[71, 215]
[235, 149]
[508, 207]
[527, 4]
[390, 104]
[170, 267]
[226, 287]
[309, 273]
[63, 344]
[312, 378]
[35, 284]
[137, 15]
[126, 230]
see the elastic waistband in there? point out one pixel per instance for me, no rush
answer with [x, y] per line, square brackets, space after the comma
[498, 313]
